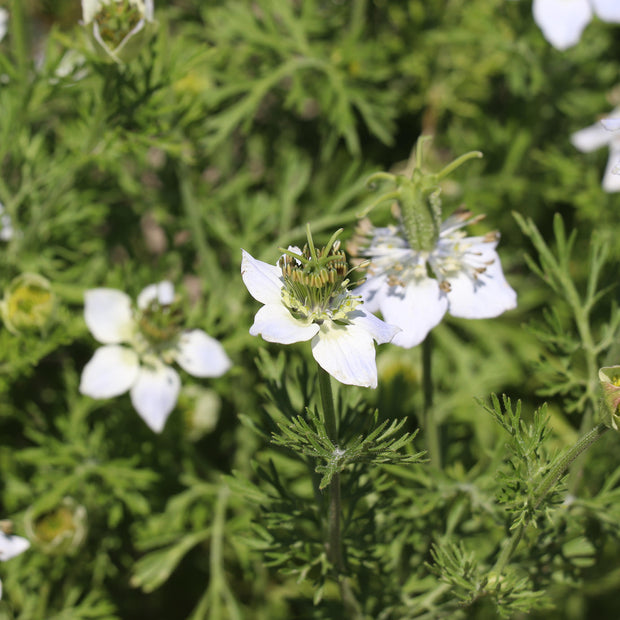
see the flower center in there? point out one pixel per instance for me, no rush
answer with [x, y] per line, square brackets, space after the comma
[116, 19]
[160, 325]
[53, 524]
[315, 284]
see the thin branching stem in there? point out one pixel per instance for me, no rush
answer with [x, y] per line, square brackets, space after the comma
[548, 482]
[431, 428]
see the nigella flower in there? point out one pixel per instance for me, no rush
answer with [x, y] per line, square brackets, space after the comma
[154, 338]
[305, 297]
[563, 21]
[10, 545]
[601, 134]
[118, 28]
[413, 289]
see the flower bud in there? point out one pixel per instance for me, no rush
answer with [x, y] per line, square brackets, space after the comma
[118, 28]
[28, 303]
[201, 411]
[60, 530]
[609, 376]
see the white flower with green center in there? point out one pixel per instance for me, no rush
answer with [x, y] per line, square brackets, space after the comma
[563, 21]
[154, 338]
[601, 134]
[118, 28]
[413, 289]
[306, 297]
[10, 545]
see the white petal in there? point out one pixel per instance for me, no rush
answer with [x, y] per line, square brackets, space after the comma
[611, 124]
[107, 313]
[276, 324]
[378, 329]
[4, 20]
[155, 394]
[487, 297]
[347, 352]
[370, 292]
[10, 546]
[162, 292]
[607, 10]
[591, 138]
[148, 10]
[202, 356]
[562, 21]
[416, 309]
[89, 9]
[264, 281]
[611, 180]
[111, 371]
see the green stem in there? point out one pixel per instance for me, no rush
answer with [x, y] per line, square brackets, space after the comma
[334, 538]
[19, 38]
[429, 422]
[331, 425]
[545, 486]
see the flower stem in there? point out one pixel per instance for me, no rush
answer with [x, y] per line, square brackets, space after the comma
[19, 38]
[545, 486]
[429, 423]
[334, 539]
[331, 425]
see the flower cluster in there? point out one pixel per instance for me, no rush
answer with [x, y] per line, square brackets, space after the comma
[413, 289]
[154, 338]
[306, 297]
[563, 21]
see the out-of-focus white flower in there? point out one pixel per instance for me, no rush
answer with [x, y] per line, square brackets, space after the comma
[563, 21]
[6, 225]
[414, 289]
[4, 23]
[305, 297]
[10, 545]
[118, 28]
[604, 133]
[154, 338]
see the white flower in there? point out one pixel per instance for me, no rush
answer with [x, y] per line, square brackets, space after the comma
[4, 22]
[6, 225]
[10, 546]
[119, 28]
[468, 281]
[563, 21]
[155, 339]
[598, 135]
[301, 306]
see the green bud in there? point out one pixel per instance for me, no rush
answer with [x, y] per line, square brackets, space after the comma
[609, 376]
[201, 410]
[417, 194]
[28, 303]
[60, 530]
